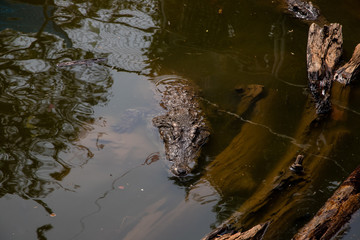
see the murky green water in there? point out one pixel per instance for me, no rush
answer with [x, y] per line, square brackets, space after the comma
[76, 142]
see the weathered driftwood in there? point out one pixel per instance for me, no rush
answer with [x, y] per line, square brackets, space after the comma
[336, 212]
[183, 127]
[350, 70]
[303, 9]
[324, 49]
[255, 233]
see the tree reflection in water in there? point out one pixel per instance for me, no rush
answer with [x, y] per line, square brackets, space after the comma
[122, 30]
[43, 111]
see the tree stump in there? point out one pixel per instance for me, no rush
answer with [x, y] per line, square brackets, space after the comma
[324, 49]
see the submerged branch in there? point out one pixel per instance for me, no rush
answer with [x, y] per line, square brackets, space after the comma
[255, 233]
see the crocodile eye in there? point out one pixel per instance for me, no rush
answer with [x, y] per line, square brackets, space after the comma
[179, 171]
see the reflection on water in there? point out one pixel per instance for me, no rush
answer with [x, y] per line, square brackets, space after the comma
[120, 30]
[44, 111]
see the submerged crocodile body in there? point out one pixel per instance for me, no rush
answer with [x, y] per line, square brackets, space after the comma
[183, 127]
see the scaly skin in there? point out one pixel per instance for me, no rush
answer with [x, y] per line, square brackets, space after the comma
[183, 127]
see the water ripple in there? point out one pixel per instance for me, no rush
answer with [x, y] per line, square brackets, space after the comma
[123, 32]
[43, 111]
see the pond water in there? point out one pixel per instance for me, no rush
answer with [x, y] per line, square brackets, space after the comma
[79, 157]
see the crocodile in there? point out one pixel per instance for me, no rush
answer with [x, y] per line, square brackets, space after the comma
[183, 128]
[303, 9]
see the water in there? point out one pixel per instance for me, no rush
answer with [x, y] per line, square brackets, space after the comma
[76, 141]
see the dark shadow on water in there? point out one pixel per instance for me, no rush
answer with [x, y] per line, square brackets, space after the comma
[42, 230]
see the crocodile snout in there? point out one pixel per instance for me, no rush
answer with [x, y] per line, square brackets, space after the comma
[178, 171]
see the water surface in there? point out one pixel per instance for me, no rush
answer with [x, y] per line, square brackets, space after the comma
[79, 157]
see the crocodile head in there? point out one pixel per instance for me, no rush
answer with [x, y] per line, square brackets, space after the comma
[184, 132]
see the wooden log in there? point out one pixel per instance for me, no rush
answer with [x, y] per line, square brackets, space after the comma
[324, 50]
[347, 73]
[336, 212]
[255, 233]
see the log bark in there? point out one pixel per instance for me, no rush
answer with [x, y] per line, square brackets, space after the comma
[324, 50]
[255, 233]
[336, 212]
[347, 73]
